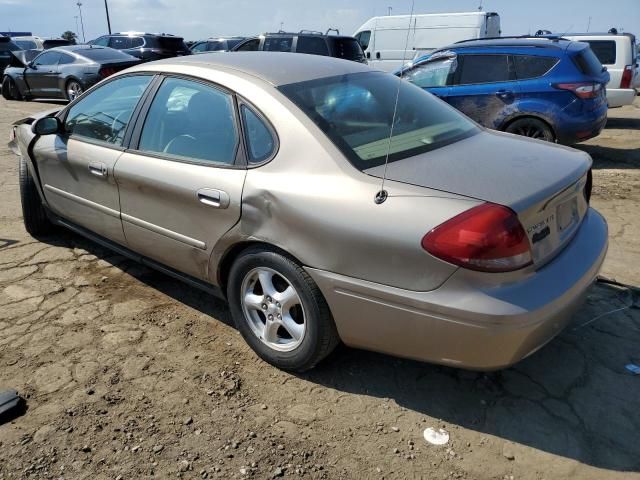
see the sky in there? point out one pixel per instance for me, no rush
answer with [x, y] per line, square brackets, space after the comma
[197, 19]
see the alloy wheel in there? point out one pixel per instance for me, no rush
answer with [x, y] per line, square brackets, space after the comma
[74, 90]
[273, 309]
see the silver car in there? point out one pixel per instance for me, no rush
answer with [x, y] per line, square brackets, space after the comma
[274, 180]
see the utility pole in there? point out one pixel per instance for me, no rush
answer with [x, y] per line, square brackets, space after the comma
[589, 23]
[106, 9]
[84, 40]
[77, 26]
[389, 11]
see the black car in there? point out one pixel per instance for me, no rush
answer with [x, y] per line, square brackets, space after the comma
[62, 72]
[6, 47]
[145, 46]
[315, 43]
[221, 44]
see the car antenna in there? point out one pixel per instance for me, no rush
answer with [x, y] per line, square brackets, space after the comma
[382, 194]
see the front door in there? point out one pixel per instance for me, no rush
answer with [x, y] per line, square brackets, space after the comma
[485, 88]
[41, 75]
[180, 184]
[77, 167]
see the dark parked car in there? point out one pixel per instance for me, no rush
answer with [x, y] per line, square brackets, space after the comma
[6, 47]
[145, 46]
[314, 43]
[545, 87]
[62, 72]
[222, 44]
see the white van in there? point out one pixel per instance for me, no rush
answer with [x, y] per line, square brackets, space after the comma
[617, 52]
[383, 39]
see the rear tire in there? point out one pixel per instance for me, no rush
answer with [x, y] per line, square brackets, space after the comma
[304, 312]
[34, 215]
[9, 89]
[73, 89]
[532, 128]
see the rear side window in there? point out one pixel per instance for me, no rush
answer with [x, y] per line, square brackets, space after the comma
[250, 45]
[312, 45]
[484, 69]
[65, 59]
[120, 43]
[172, 43]
[278, 44]
[529, 66]
[605, 50]
[260, 142]
[587, 62]
[347, 48]
[137, 42]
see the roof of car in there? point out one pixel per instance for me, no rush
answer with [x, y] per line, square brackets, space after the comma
[277, 68]
[545, 42]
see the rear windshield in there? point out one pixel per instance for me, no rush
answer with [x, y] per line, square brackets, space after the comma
[103, 54]
[605, 50]
[588, 63]
[347, 48]
[26, 44]
[355, 111]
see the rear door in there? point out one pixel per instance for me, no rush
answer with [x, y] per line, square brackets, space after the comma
[484, 87]
[42, 75]
[181, 182]
[77, 167]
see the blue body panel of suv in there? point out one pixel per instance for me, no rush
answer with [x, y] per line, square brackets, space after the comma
[547, 88]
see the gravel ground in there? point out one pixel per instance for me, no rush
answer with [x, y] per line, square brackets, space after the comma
[128, 374]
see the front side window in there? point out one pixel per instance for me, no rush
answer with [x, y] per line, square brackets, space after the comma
[199, 47]
[47, 58]
[104, 114]
[356, 111]
[191, 120]
[312, 45]
[364, 38]
[484, 69]
[101, 42]
[215, 46]
[432, 74]
[278, 44]
[250, 45]
[260, 142]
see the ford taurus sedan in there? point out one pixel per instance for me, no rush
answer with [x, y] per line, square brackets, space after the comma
[277, 181]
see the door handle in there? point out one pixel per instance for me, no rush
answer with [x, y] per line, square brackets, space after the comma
[212, 197]
[369, 55]
[378, 55]
[98, 169]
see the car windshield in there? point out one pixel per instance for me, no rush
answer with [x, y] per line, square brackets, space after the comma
[356, 110]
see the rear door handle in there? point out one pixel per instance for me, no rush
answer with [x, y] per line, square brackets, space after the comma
[212, 197]
[98, 169]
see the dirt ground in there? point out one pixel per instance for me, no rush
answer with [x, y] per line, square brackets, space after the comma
[128, 374]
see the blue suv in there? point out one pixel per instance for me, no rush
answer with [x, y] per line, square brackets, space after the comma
[543, 87]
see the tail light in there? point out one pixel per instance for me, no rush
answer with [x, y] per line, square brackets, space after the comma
[488, 238]
[582, 90]
[107, 71]
[627, 76]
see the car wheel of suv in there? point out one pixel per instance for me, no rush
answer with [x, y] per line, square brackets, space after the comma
[73, 90]
[9, 89]
[280, 311]
[34, 215]
[533, 128]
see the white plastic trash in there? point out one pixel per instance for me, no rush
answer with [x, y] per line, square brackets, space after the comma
[436, 437]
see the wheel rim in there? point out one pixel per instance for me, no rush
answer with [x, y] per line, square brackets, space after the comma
[74, 90]
[531, 131]
[273, 309]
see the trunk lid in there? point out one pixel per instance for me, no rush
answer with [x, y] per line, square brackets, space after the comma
[543, 183]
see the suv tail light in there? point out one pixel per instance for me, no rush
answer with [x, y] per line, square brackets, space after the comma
[582, 90]
[627, 75]
[488, 238]
[107, 72]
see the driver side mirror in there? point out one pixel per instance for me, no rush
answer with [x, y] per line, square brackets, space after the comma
[46, 126]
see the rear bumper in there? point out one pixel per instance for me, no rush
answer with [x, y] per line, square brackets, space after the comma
[619, 97]
[474, 320]
[574, 128]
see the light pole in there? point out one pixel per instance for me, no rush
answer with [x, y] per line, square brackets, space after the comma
[389, 11]
[77, 26]
[84, 40]
[106, 9]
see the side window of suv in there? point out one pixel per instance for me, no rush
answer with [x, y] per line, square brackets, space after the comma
[484, 69]
[102, 41]
[278, 44]
[120, 43]
[136, 42]
[529, 66]
[312, 45]
[250, 45]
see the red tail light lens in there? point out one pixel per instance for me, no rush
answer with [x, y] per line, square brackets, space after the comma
[107, 72]
[582, 90]
[488, 238]
[627, 75]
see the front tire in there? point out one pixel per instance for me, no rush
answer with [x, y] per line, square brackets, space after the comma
[10, 89]
[532, 128]
[35, 218]
[73, 90]
[280, 311]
